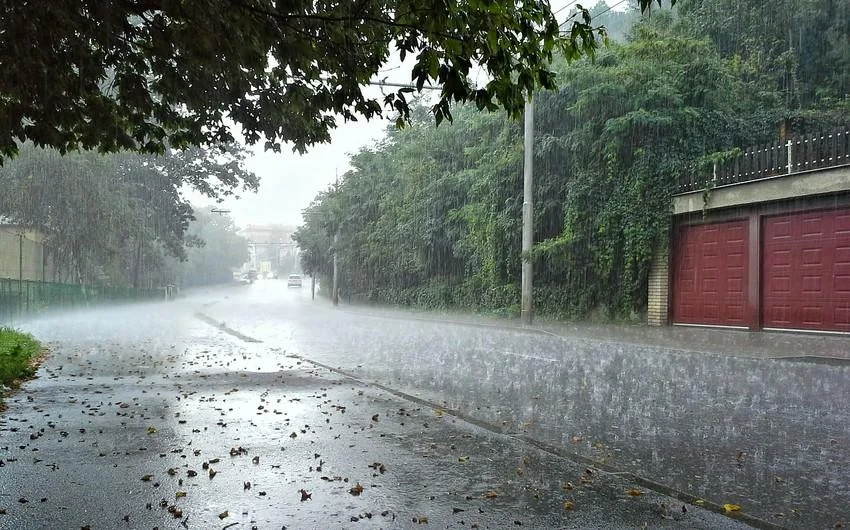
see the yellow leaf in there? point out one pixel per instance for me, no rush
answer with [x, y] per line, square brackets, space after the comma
[180, 494]
[731, 507]
[151, 430]
[568, 505]
[463, 459]
[699, 502]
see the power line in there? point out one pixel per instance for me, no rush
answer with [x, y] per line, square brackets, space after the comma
[609, 9]
[565, 7]
[597, 15]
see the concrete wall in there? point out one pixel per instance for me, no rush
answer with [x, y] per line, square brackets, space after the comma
[659, 282]
[798, 185]
[33, 254]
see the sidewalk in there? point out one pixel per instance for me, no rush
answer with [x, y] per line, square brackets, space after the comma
[812, 347]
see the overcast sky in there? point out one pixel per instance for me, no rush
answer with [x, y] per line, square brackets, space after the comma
[290, 181]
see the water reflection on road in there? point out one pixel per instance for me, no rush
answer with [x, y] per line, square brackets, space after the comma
[770, 435]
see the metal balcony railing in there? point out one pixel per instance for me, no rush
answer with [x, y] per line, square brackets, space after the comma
[796, 155]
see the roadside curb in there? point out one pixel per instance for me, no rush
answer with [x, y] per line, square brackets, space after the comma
[223, 327]
[456, 322]
[813, 359]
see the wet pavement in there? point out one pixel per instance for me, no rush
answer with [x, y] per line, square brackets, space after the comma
[757, 420]
[151, 417]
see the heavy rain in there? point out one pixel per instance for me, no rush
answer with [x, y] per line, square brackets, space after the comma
[438, 265]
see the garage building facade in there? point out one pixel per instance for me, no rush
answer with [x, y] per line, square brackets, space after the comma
[771, 252]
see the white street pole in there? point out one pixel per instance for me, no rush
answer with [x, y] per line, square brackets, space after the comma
[527, 307]
[335, 294]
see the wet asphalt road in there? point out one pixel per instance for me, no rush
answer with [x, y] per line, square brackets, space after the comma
[154, 392]
[770, 435]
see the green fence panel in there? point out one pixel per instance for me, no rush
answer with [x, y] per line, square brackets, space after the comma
[20, 298]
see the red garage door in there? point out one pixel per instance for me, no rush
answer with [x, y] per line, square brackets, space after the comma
[806, 271]
[710, 275]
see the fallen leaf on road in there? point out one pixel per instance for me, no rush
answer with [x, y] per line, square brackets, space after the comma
[223, 515]
[305, 495]
[463, 459]
[151, 430]
[147, 478]
[634, 492]
[492, 494]
[356, 490]
[732, 507]
[568, 505]
[377, 466]
[180, 494]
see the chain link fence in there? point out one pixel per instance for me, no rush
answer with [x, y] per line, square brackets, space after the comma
[21, 298]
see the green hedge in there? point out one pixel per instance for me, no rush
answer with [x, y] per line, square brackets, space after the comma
[17, 351]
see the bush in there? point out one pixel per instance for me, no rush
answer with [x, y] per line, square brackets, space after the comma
[17, 354]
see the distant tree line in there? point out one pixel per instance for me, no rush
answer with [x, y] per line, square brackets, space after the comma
[432, 216]
[123, 219]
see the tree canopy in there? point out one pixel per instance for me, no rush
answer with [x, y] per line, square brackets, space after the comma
[148, 74]
[432, 216]
[122, 219]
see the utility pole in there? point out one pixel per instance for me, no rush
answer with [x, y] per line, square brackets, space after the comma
[527, 297]
[335, 295]
[21, 263]
[335, 292]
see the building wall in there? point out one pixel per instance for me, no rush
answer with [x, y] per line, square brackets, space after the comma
[11, 248]
[659, 284]
[753, 214]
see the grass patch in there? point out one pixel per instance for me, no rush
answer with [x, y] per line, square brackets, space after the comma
[19, 353]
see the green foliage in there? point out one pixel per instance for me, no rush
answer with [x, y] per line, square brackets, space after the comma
[116, 219]
[796, 50]
[151, 75]
[17, 351]
[217, 251]
[432, 217]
